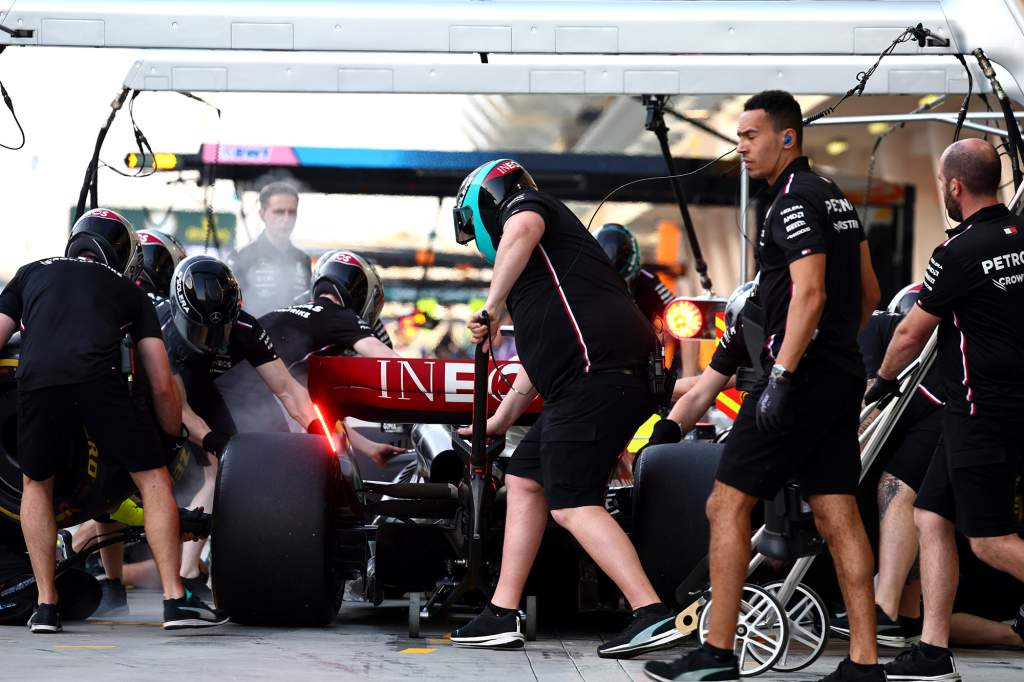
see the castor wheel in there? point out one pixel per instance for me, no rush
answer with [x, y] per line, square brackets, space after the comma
[414, 615]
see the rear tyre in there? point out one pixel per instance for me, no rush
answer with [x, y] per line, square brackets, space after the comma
[275, 539]
[414, 615]
[531, 619]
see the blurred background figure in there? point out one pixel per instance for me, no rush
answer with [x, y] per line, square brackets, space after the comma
[271, 270]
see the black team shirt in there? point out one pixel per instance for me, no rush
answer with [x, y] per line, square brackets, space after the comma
[74, 313]
[810, 215]
[975, 283]
[571, 309]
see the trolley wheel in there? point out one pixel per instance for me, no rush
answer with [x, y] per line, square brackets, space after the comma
[531, 618]
[762, 631]
[414, 614]
[808, 628]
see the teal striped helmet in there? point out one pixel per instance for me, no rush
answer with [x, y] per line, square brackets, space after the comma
[481, 197]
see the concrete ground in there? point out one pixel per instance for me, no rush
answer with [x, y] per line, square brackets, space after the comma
[365, 643]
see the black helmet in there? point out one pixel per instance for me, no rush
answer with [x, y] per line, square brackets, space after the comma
[353, 280]
[205, 300]
[622, 249]
[110, 236]
[481, 197]
[161, 253]
[904, 299]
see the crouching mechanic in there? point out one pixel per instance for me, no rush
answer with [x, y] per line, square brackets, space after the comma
[800, 421]
[340, 319]
[207, 333]
[74, 312]
[973, 292]
[588, 351]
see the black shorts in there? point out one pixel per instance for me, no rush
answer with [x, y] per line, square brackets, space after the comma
[913, 448]
[817, 446]
[51, 419]
[572, 448]
[973, 477]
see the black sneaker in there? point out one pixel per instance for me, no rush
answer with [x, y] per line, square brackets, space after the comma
[197, 586]
[45, 619]
[114, 601]
[848, 672]
[651, 627]
[191, 612]
[888, 632]
[699, 664]
[491, 631]
[1018, 623]
[913, 665]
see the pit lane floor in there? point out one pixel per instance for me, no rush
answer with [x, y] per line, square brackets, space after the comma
[364, 644]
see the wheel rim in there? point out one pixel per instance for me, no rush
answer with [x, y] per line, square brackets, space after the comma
[762, 631]
[808, 628]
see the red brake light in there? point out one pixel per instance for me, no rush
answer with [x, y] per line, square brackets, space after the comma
[684, 319]
[327, 431]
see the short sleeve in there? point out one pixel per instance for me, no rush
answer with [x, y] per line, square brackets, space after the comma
[252, 341]
[796, 227]
[731, 352]
[10, 298]
[143, 319]
[944, 282]
[345, 328]
[526, 201]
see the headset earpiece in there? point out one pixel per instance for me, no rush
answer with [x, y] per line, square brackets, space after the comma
[788, 139]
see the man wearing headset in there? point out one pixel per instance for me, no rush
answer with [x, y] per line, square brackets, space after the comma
[817, 288]
[588, 351]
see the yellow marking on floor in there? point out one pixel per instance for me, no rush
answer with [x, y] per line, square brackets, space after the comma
[85, 646]
[415, 650]
[444, 640]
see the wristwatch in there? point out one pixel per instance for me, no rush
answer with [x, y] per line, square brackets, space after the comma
[778, 371]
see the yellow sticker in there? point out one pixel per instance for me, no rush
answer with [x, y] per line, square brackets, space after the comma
[414, 650]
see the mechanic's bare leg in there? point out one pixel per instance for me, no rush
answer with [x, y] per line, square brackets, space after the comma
[838, 520]
[40, 530]
[83, 534]
[897, 541]
[142, 574]
[606, 543]
[112, 556]
[728, 511]
[940, 572]
[162, 531]
[966, 629]
[1004, 553]
[191, 551]
[525, 519]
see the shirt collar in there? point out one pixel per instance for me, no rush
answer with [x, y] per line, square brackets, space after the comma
[800, 163]
[993, 212]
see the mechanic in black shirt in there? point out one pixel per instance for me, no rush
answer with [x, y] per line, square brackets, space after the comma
[974, 293]
[74, 312]
[587, 349]
[650, 295]
[800, 420]
[207, 333]
[347, 298]
[271, 270]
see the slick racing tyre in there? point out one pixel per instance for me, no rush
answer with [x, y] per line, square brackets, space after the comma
[670, 530]
[275, 538]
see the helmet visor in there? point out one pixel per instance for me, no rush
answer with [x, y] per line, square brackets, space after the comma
[205, 338]
[463, 218]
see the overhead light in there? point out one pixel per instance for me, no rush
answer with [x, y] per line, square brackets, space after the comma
[878, 128]
[698, 114]
[836, 147]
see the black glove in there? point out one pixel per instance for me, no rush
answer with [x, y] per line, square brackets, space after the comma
[215, 443]
[881, 388]
[665, 431]
[772, 403]
[316, 428]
